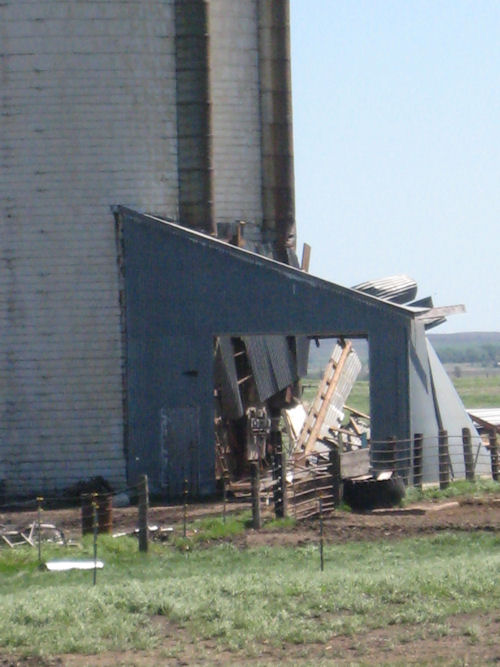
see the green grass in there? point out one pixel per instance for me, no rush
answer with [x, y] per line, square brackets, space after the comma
[359, 398]
[213, 528]
[479, 392]
[460, 488]
[238, 597]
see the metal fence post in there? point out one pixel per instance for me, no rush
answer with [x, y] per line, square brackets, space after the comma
[492, 436]
[278, 483]
[284, 490]
[391, 453]
[95, 529]
[39, 501]
[418, 441]
[336, 473]
[255, 473]
[184, 507]
[294, 490]
[321, 536]
[143, 513]
[468, 457]
[444, 460]
[224, 497]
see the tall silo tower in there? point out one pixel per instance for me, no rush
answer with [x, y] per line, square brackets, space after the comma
[179, 108]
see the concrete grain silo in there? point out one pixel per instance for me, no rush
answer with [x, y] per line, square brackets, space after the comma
[180, 108]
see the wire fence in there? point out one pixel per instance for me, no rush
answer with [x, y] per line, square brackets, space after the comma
[297, 488]
[442, 458]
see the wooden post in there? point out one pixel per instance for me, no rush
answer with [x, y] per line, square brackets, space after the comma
[143, 513]
[418, 441]
[468, 457]
[255, 473]
[444, 460]
[495, 470]
[336, 473]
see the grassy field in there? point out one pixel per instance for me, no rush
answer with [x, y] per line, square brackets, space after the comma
[479, 392]
[476, 392]
[240, 598]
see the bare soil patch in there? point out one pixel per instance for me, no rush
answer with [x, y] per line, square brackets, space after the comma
[468, 514]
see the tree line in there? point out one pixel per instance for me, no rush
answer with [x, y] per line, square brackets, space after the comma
[485, 354]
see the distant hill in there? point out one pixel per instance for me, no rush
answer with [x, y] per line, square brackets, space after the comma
[478, 347]
[465, 338]
[469, 347]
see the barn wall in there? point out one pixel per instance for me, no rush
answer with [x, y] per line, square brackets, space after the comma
[182, 289]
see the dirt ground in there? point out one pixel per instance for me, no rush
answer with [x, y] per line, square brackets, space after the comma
[467, 640]
[467, 514]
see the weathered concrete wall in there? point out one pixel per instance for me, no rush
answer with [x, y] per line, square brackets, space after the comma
[236, 123]
[87, 120]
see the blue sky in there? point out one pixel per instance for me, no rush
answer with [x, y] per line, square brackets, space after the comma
[397, 146]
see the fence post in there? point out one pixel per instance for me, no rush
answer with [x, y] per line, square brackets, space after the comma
[391, 453]
[184, 507]
[143, 513]
[492, 436]
[255, 473]
[336, 473]
[444, 460]
[321, 536]
[468, 457]
[279, 477]
[224, 496]
[284, 465]
[95, 529]
[418, 441]
[39, 501]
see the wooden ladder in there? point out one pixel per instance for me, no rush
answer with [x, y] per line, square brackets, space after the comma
[317, 412]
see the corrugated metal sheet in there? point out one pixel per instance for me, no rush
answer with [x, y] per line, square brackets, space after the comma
[397, 289]
[490, 415]
[350, 372]
[272, 364]
[226, 378]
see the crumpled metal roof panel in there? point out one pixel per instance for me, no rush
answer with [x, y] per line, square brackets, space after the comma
[397, 289]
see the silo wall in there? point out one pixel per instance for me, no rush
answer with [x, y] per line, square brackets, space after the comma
[88, 119]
